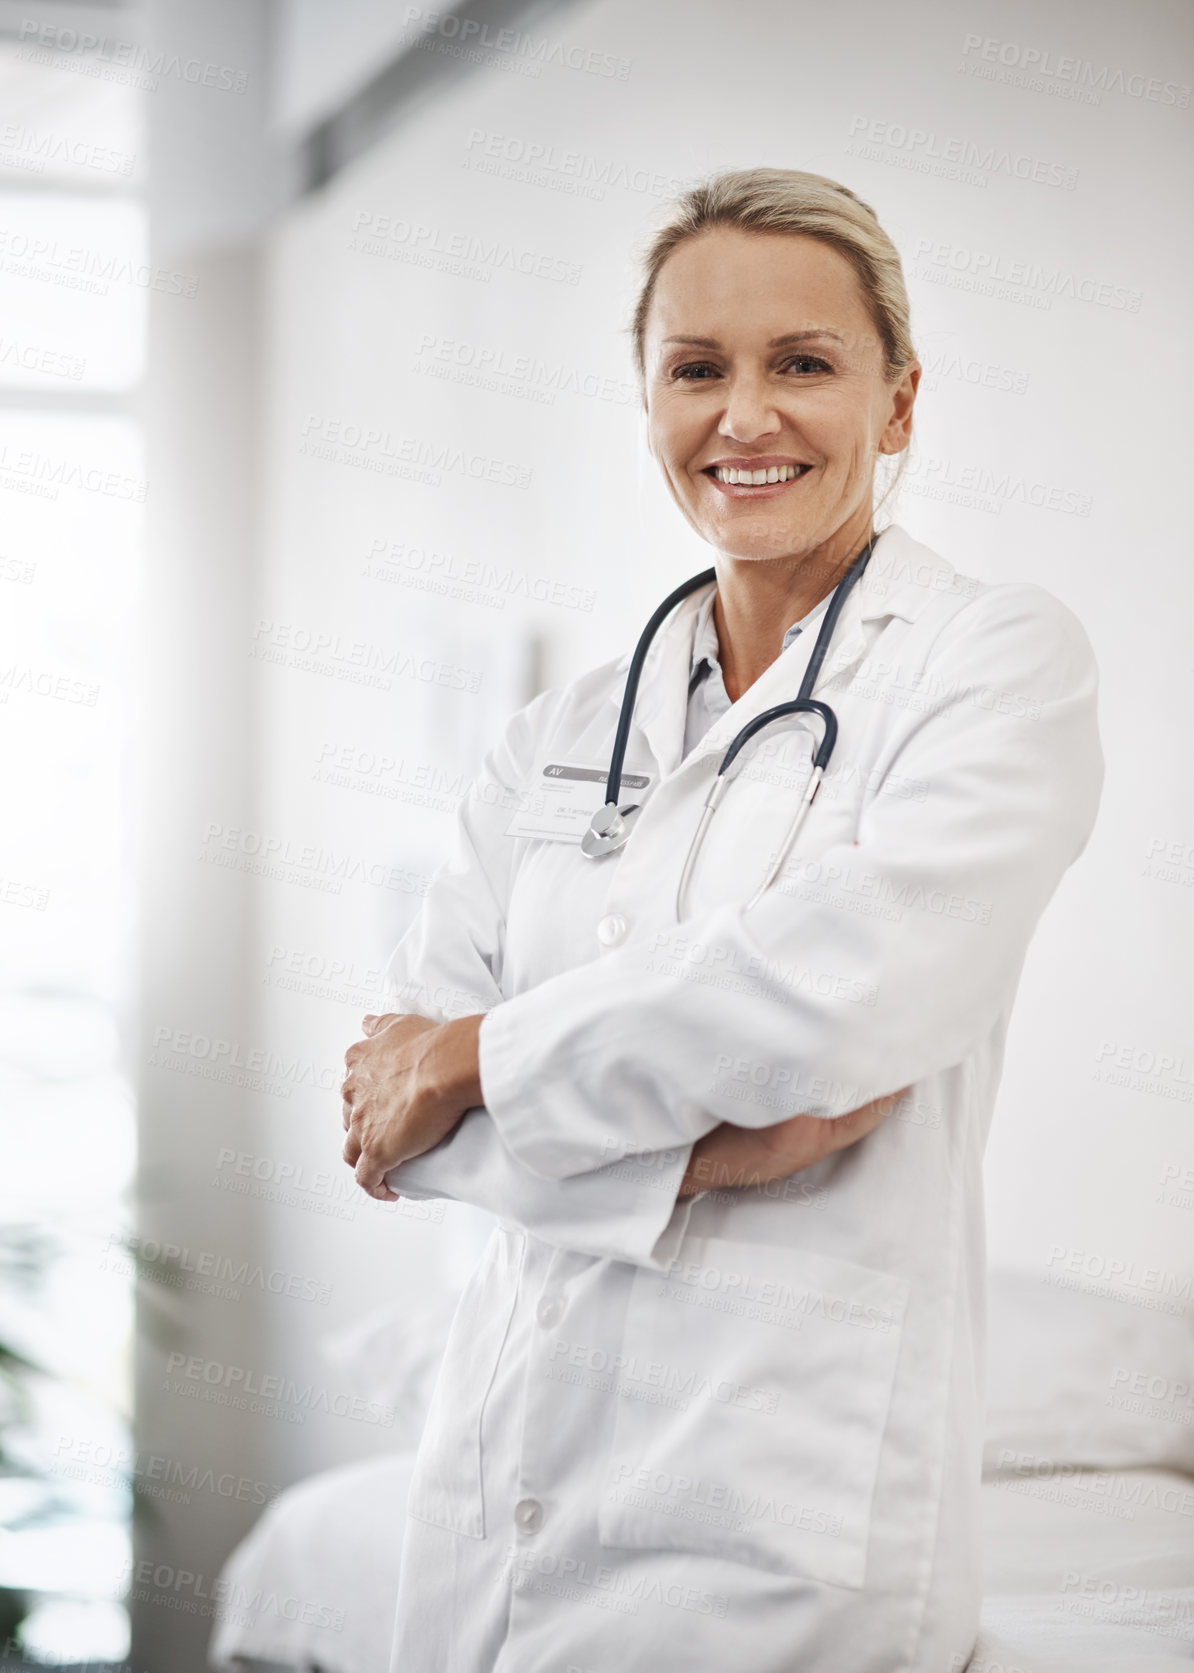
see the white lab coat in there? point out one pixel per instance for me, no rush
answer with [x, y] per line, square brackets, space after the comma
[739, 1434]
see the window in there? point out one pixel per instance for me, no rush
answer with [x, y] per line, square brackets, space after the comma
[72, 343]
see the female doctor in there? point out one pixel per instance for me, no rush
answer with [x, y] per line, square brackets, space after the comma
[715, 1031]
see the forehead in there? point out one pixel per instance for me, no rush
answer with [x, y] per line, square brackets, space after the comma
[725, 281]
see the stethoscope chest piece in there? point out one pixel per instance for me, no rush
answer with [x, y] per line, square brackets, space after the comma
[608, 829]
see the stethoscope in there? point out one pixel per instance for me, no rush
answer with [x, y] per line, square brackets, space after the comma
[611, 825]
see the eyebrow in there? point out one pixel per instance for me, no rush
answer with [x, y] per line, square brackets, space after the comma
[775, 343]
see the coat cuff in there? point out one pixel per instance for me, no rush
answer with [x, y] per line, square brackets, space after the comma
[637, 1189]
[510, 1095]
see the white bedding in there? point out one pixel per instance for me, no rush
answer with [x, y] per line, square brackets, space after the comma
[330, 1549]
[1091, 1573]
[1089, 1525]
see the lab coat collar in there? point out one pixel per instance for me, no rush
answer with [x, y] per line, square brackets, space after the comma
[901, 578]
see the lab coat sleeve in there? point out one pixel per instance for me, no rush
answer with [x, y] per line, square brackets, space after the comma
[448, 964]
[837, 1000]
[626, 1210]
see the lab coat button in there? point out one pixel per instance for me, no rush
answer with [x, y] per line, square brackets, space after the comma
[550, 1310]
[528, 1515]
[612, 930]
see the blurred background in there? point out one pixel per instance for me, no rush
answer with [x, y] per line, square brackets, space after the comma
[320, 453]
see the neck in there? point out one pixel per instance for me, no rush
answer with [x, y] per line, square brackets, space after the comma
[758, 599]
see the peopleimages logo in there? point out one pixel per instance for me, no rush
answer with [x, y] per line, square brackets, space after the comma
[371, 447]
[1034, 283]
[261, 1067]
[468, 254]
[268, 1395]
[102, 55]
[190, 1593]
[795, 1300]
[655, 1380]
[75, 267]
[1119, 1278]
[695, 1498]
[1039, 67]
[523, 376]
[81, 1458]
[720, 964]
[926, 151]
[526, 52]
[539, 163]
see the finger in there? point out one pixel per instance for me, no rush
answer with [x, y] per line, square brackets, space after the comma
[371, 1178]
[382, 1193]
[891, 1099]
[879, 1108]
[842, 1130]
[374, 1025]
[351, 1152]
[725, 1159]
[868, 1114]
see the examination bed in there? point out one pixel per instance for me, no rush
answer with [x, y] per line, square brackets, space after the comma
[1088, 1499]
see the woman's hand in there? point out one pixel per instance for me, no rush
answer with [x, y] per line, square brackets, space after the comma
[408, 1083]
[732, 1156]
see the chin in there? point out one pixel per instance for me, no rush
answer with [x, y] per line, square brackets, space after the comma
[760, 546]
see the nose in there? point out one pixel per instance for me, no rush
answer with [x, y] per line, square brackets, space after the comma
[750, 413]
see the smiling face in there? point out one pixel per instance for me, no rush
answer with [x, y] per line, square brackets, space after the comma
[765, 394]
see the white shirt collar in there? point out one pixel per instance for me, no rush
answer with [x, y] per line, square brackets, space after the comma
[705, 645]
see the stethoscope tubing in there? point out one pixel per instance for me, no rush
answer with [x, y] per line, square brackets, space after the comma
[613, 782]
[803, 703]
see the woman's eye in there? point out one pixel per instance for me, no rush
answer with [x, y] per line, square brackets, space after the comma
[807, 365]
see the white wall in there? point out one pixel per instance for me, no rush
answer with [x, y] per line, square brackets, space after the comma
[1094, 407]
[323, 54]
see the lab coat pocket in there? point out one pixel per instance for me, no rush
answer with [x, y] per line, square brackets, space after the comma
[446, 1486]
[752, 1407]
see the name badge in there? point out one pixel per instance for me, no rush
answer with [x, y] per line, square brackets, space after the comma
[563, 796]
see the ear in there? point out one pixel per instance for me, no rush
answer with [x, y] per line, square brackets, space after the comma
[899, 426]
[645, 420]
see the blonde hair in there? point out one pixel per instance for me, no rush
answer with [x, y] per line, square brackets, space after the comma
[785, 200]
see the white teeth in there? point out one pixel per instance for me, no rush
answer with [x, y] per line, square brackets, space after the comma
[756, 479]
